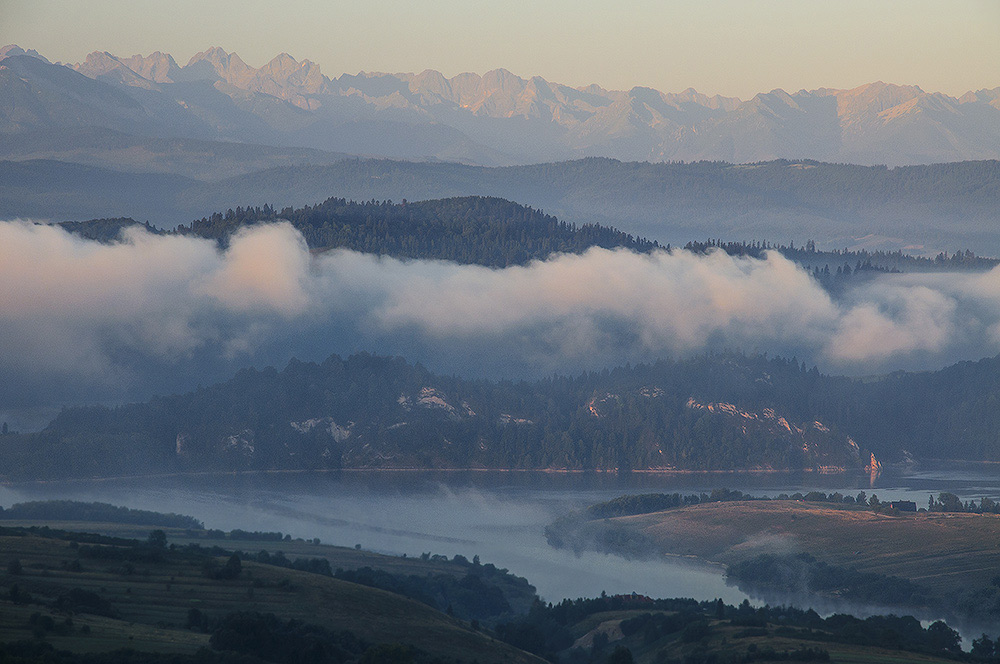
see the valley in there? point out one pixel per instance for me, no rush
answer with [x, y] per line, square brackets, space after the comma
[533, 333]
[146, 599]
[94, 595]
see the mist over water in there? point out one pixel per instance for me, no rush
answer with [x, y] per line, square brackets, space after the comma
[86, 322]
[499, 516]
[403, 513]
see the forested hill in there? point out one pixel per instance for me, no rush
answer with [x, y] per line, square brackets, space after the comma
[720, 412]
[474, 229]
[105, 230]
[946, 206]
[717, 412]
[849, 261]
[939, 207]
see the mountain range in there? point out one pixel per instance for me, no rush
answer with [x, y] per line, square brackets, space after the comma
[497, 118]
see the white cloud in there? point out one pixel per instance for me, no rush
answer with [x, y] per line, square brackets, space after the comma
[108, 320]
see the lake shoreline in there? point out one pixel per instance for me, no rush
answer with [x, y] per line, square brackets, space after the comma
[675, 472]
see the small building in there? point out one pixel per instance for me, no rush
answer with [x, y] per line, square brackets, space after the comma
[903, 506]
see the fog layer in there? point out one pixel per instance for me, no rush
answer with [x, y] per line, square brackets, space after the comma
[82, 321]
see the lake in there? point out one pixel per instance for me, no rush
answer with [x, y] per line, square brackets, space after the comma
[499, 516]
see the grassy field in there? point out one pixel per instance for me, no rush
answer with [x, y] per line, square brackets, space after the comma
[724, 637]
[941, 551]
[153, 601]
[519, 595]
[338, 556]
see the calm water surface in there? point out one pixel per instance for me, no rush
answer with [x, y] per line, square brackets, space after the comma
[498, 516]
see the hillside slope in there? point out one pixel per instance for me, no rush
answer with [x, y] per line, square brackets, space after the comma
[706, 413]
[132, 596]
[714, 412]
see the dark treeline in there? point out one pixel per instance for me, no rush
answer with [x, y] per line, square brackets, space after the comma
[647, 503]
[838, 269]
[666, 623]
[369, 411]
[484, 593]
[236, 638]
[496, 233]
[72, 510]
[481, 592]
[105, 230]
[478, 595]
[845, 262]
[949, 502]
[724, 411]
[484, 231]
[803, 574]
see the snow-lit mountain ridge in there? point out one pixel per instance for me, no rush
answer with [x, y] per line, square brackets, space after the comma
[502, 118]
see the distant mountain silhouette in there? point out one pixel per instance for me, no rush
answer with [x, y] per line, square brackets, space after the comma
[929, 208]
[497, 118]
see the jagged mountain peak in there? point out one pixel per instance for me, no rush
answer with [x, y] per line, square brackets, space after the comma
[11, 50]
[469, 114]
[104, 66]
[502, 80]
[593, 89]
[985, 95]
[502, 73]
[158, 67]
[875, 97]
[212, 54]
[100, 57]
[714, 102]
[642, 92]
[285, 63]
[774, 103]
[431, 81]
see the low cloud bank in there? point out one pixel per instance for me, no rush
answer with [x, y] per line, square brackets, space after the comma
[84, 321]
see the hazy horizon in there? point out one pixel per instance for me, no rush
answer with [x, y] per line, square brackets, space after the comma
[735, 49]
[479, 305]
[334, 75]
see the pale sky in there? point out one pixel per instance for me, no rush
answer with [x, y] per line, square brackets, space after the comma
[730, 47]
